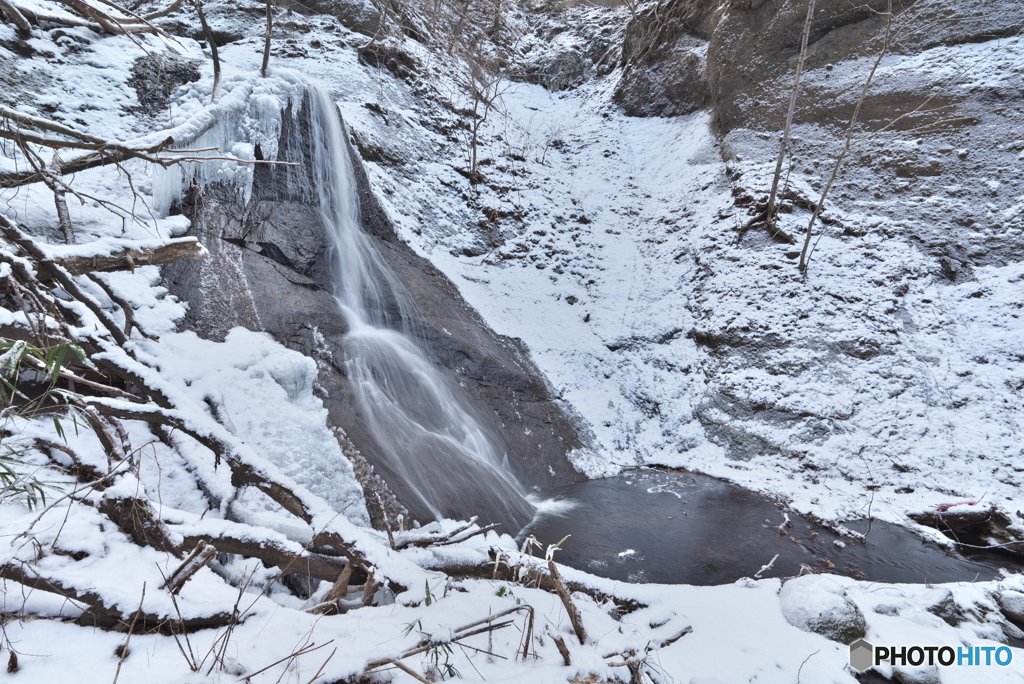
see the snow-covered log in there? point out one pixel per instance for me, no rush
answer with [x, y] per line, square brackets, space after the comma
[14, 16]
[127, 255]
[101, 614]
[86, 15]
[278, 553]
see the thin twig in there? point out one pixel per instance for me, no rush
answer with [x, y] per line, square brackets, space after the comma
[128, 639]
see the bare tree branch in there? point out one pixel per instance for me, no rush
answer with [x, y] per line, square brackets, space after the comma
[208, 32]
[805, 253]
[15, 16]
[266, 41]
[789, 115]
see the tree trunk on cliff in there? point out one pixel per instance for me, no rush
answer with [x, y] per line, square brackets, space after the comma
[772, 219]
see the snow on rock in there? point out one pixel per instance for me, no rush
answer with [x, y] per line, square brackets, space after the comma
[818, 603]
[1012, 604]
[263, 393]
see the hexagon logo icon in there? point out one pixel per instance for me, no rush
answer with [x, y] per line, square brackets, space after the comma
[862, 655]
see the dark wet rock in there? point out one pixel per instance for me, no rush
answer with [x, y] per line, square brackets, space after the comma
[740, 56]
[382, 505]
[752, 54]
[155, 76]
[360, 16]
[928, 674]
[592, 48]
[752, 50]
[664, 58]
[945, 607]
[986, 527]
[561, 71]
[674, 85]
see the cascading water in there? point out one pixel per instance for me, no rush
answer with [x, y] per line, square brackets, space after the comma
[423, 426]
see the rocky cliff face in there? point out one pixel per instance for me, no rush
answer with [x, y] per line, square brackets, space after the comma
[268, 273]
[866, 353]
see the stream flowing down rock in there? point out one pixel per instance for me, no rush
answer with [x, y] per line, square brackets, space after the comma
[410, 373]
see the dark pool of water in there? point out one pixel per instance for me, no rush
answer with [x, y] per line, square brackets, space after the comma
[682, 528]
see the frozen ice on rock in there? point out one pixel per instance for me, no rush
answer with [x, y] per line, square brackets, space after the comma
[264, 394]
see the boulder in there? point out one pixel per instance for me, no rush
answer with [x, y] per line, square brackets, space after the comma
[664, 59]
[156, 75]
[818, 603]
[361, 16]
[1012, 605]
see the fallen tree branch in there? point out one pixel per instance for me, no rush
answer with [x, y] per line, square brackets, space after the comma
[135, 18]
[109, 23]
[16, 236]
[199, 558]
[83, 474]
[126, 308]
[48, 125]
[340, 588]
[574, 614]
[102, 615]
[111, 154]
[39, 16]
[271, 552]
[129, 257]
[424, 539]
[173, 7]
[563, 650]
[137, 519]
[15, 16]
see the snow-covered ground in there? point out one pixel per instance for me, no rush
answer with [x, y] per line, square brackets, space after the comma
[614, 243]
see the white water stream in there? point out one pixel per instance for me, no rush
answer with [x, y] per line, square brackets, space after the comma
[421, 421]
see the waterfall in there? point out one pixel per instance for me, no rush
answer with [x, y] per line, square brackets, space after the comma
[422, 423]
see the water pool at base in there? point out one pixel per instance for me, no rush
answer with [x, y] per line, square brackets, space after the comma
[683, 528]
